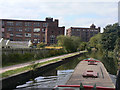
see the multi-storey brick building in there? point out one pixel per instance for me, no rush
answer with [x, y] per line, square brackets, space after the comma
[84, 33]
[34, 30]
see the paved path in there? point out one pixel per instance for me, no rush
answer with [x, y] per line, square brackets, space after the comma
[4, 69]
[102, 80]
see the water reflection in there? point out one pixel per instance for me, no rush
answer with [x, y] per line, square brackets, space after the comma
[61, 74]
[58, 77]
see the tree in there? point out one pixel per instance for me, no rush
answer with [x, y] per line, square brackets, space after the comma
[117, 48]
[82, 46]
[70, 44]
[95, 41]
[109, 37]
[41, 45]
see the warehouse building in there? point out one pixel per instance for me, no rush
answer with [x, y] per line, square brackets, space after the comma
[34, 30]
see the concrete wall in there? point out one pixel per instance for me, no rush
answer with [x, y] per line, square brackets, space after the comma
[22, 51]
[15, 80]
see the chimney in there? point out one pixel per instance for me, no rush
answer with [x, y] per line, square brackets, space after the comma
[56, 22]
[92, 26]
[99, 29]
[49, 19]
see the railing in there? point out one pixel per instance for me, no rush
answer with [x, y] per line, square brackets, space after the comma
[83, 87]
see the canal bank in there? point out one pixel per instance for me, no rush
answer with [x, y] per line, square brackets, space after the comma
[61, 74]
[13, 81]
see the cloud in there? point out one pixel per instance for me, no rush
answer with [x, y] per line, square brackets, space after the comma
[70, 13]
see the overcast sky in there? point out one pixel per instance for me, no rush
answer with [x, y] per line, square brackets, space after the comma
[69, 12]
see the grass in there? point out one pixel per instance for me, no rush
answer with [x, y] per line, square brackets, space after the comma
[25, 61]
[26, 68]
[30, 67]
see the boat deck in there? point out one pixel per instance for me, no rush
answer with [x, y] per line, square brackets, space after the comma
[103, 79]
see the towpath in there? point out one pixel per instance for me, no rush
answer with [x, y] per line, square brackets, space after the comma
[4, 69]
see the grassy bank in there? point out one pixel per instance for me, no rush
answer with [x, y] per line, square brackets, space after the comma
[18, 58]
[32, 66]
[27, 68]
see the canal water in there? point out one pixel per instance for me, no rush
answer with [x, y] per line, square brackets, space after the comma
[60, 74]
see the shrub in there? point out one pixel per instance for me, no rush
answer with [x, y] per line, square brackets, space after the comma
[41, 45]
[14, 58]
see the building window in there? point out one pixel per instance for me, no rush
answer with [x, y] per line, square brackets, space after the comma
[52, 31]
[11, 38]
[43, 39]
[3, 34]
[10, 23]
[78, 34]
[27, 39]
[18, 39]
[19, 35]
[59, 32]
[3, 23]
[36, 40]
[36, 24]
[10, 29]
[45, 24]
[43, 29]
[96, 32]
[11, 34]
[77, 29]
[52, 39]
[28, 24]
[72, 33]
[19, 23]
[19, 29]
[36, 29]
[28, 29]
[36, 35]
[27, 35]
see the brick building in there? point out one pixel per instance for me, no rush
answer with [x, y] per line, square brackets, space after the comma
[84, 33]
[34, 30]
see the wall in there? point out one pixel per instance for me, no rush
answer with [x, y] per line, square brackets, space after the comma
[22, 51]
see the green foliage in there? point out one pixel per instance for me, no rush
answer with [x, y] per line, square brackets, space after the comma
[82, 46]
[95, 41]
[110, 64]
[109, 37]
[117, 48]
[88, 49]
[27, 56]
[16, 58]
[26, 68]
[107, 40]
[53, 45]
[41, 45]
[56, 52]
[34, 66]
[70, 44]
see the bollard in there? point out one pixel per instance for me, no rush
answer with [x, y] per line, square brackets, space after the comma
[94, 87]
[81, 86]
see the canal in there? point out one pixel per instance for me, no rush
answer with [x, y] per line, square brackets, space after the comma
[60, 74]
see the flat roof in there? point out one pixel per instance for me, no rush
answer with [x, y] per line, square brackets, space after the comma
[22, 20]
